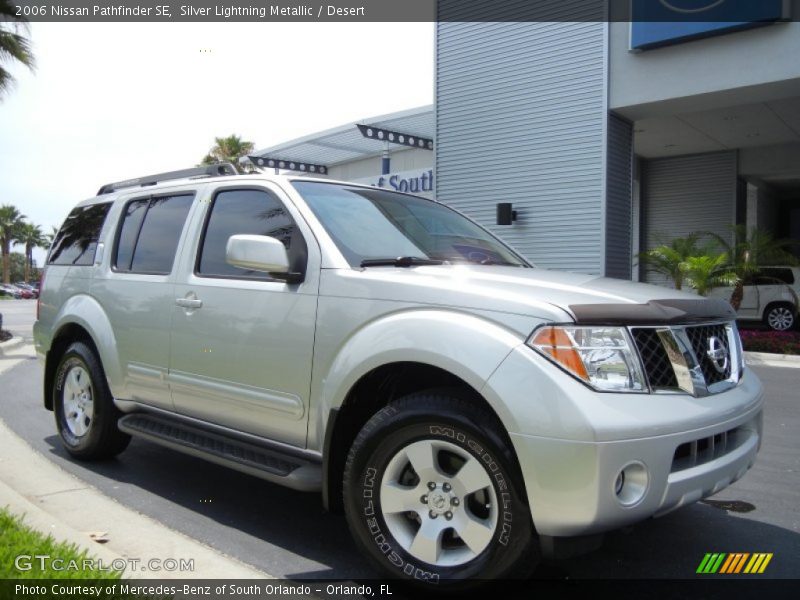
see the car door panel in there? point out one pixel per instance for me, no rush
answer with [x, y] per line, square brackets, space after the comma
[136, 292]
[241, 358]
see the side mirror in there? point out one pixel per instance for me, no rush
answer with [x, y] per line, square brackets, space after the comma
[260, 253]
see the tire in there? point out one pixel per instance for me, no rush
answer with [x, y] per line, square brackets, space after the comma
[86, 417]
[390, 507]
[780, 316]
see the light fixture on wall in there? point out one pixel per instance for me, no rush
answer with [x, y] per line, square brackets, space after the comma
[506, 215]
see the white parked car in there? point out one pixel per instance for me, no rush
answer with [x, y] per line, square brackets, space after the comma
[770, 296]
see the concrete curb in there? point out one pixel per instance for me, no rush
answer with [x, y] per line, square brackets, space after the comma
[54, 501]
[765, 359]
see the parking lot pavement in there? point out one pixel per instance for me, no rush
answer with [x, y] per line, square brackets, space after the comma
[18, 317]
[287, 534]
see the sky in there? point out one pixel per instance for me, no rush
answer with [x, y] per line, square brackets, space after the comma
[111, 101]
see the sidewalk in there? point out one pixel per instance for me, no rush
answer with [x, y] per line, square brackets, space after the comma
[765, 359]
[55, 502]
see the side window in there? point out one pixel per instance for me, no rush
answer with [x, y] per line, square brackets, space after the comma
[76, 241]
[773, 276]
[149, 234]
[255, 212]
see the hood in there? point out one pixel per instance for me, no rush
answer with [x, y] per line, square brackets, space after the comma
[549, 295]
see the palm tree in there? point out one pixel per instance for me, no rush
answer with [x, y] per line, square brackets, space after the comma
[749, 251]
[227, 149]
[708, 271]
[13, 45]
[10, 224]
[32, 236]
[667, 259]
[50, 237]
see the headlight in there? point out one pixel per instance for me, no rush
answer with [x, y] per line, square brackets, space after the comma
[603, 357]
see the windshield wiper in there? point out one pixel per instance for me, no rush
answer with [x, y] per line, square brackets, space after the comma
[400, 261]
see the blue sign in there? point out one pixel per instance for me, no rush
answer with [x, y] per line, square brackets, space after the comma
[661, 22]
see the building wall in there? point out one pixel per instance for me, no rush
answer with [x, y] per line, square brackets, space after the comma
[619, 190]
[521, 117]
[401, 160]
[710, 70]
[768, 214]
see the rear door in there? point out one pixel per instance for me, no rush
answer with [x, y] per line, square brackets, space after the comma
[136, 290]
[242, 341]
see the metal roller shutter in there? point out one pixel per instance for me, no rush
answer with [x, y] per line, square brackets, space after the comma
[685, 194]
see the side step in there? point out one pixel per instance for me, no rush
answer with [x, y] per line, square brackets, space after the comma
[246, 457]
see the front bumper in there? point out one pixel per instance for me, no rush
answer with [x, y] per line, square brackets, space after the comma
[571, 485]
[679, 448]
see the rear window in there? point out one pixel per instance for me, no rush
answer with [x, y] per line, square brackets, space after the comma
[76, 241]
[149, 234]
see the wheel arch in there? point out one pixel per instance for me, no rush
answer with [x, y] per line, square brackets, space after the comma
[82, 319]
[372, 392]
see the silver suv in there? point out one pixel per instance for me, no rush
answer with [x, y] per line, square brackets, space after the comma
[461, 407]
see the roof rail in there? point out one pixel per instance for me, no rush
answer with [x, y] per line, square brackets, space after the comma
[193, 173]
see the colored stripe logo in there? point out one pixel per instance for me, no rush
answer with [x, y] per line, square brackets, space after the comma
[734, 563]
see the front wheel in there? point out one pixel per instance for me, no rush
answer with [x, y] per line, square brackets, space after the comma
[432, 493]
[780, 317]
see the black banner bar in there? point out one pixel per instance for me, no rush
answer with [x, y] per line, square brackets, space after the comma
[706, 11]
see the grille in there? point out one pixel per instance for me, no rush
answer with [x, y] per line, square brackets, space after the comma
[706, 449]
[698, 337]
[656, 362]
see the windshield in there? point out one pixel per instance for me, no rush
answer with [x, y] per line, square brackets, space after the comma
[370, 223]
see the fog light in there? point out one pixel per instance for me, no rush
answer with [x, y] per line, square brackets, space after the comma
[631, 484]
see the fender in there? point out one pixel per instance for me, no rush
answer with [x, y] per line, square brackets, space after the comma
[85, 311]
[468, 346]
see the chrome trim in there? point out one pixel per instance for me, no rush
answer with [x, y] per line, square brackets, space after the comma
[686, 364]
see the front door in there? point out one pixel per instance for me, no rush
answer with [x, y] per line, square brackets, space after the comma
[242, 341]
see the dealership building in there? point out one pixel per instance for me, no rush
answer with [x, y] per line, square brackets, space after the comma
[606, 137]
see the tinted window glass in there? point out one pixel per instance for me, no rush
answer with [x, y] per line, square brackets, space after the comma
[150, 232]
[132, 222]
[775, 276]
[254, 212]
[76, 241]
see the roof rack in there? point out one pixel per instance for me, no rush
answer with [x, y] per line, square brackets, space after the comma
[193, 173]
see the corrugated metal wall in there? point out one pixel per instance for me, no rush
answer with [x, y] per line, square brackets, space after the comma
[619, 178]
[685, 194]
[521, 112]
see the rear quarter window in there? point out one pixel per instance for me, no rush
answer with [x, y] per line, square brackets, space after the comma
[76, 241]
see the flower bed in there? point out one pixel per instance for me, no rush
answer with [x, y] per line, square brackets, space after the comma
[777, 342]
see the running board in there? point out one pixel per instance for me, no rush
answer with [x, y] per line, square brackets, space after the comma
[272, 465]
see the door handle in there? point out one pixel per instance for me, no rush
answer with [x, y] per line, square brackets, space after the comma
[190, 303]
